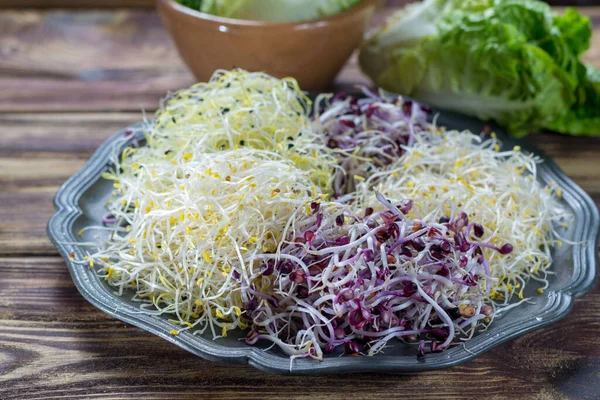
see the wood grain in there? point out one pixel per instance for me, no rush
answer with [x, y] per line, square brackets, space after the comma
[51, 336]
[99, 60]
[76, 3]
[39, 152]
[88, 61]
[94, 61]
[150, 3]
[69, 80]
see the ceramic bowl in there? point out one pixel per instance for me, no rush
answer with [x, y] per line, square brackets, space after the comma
[311, 51]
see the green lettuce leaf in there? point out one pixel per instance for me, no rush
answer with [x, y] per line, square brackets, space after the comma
[272, 10]
[575, 29]
[195, 4]
[583, 119]
[513, 61]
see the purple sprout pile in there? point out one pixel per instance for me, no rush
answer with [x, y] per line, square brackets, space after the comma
[367, 133]
[361, 281]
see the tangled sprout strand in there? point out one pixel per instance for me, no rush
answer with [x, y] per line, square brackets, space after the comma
[191, 223]
[361, 281]
[225, 166]
[222, 219]
[452, 171]
[237, 109]
[366, 134]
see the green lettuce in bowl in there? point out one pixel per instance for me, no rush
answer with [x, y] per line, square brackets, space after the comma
[271, 10]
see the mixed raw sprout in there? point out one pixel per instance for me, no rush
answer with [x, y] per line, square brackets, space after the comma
[354, 224]
[362, 280]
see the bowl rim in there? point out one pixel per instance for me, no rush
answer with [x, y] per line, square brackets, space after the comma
[304, 24]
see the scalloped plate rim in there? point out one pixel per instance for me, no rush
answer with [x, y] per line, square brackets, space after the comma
[67, 207]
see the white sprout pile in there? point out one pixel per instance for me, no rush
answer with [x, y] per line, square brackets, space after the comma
[190, 224]
[451, 171]
[238, 109]
[226, 165]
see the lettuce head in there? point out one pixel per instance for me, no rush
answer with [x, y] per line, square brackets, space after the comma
[512, 61]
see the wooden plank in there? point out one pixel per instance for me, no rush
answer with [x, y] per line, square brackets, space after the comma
[119, 60]
[77, 4]
[38, 152]
[150, 3]
[53, 344]
[106, 3]
[93, 60]
[130, 3]
[50, 336]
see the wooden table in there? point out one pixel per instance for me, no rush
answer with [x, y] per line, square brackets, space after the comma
[69, 80]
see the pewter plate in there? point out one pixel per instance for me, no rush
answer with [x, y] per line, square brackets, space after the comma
[80, 203]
